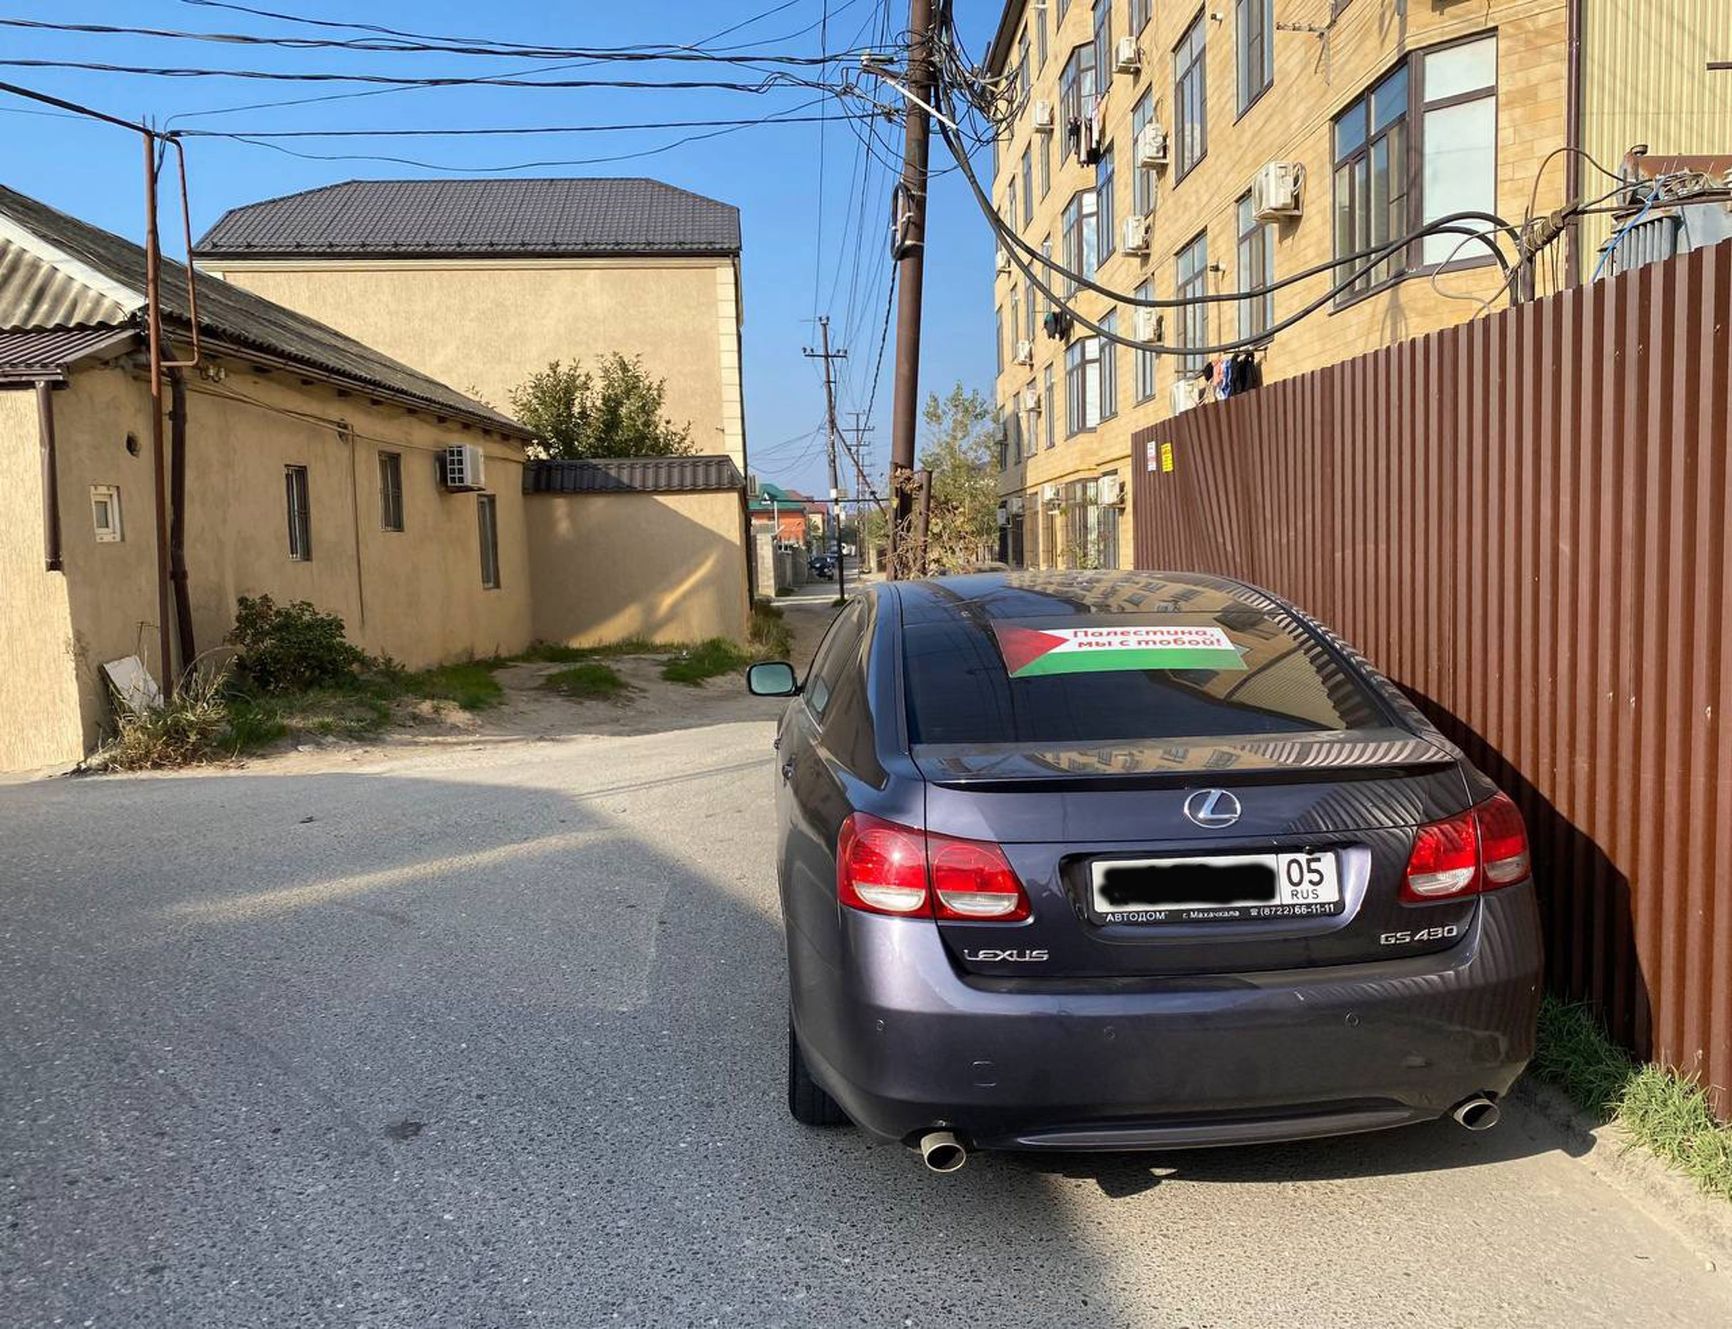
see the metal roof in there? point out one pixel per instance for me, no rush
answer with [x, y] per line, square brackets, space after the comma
[47, 354]
[429, 218]
[632, 475]
[115, 268]
[36, 293]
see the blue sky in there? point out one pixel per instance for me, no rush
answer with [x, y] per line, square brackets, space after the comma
[803, 209]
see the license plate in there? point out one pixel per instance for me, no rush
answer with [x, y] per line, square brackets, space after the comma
[1223, 889]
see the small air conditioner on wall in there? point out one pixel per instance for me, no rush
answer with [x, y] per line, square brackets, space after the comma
[1151, 145]
[1043, 117]
[1049, 495]
[1136, 235]
[1127, 59]
[1003, 263]
[1025, 352]
[1111, 491]
[1003, 515]
[1275, 191]
[1146, 324]
[1031, 399]
[462, 467]
[1186, 394]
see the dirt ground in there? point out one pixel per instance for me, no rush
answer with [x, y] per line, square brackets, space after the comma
[652, 705]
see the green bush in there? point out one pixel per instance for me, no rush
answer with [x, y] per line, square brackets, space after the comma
[292, 648]
[707, 659]
[587, 680]
[770, 635]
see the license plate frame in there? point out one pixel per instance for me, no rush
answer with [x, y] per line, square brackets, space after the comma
[1307, 885]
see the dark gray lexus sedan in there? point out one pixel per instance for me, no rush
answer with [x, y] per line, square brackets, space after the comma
[1121, 860]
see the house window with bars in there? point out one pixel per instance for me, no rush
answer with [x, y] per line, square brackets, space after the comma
[391, 491]
[299, 513]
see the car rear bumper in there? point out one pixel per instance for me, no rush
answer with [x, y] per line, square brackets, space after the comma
[904, 1042]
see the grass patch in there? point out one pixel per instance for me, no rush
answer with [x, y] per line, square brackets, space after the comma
[770, 636]
[470, 684]
[587, 681]
[707, 659]
[1659, 1109]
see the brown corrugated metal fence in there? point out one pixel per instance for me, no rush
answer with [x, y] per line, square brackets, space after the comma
[1523, 522]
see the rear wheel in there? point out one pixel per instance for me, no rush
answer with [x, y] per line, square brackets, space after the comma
[808, 1103]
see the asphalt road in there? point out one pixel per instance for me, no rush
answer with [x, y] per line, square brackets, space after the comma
[494, 1037]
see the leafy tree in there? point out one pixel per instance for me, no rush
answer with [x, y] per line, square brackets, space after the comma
[961, 452]
[615, 411]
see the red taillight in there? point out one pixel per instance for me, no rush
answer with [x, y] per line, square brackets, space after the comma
[1479, 850]
[974, 881]
[883, 868]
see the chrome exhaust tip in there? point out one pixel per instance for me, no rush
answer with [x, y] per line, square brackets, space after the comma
[941, 1151]
[1478, 1113]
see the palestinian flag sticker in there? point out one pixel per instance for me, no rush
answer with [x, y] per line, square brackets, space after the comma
[1036, 652]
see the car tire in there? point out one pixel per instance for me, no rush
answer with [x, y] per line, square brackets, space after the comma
[807, 1102]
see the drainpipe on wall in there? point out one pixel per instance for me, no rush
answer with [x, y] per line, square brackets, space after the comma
[1573, 140]
[51, 559]
[177, 517]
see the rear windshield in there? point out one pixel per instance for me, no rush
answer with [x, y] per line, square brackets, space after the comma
[1109, 678]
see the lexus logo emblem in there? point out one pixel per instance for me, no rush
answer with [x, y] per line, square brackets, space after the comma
[1213, 809]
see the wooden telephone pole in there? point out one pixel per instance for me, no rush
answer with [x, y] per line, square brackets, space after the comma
[830, 431]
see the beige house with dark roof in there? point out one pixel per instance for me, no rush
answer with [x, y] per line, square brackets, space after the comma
[313, 471]
[531, 270]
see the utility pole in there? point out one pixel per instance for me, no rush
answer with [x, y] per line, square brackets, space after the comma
[830, 431]
[911, 270]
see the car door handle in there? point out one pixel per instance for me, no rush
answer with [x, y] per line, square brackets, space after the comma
[788, 769]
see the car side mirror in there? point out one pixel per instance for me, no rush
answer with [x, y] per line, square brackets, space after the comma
[772, 678]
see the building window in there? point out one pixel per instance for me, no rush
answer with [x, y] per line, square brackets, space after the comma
[1081, 236]
[1142, 177]
[1193, 281]
[1372, 177]
[1103, 18]
[391, 491]
[300, 513]
[1040, 36]
[1145, 360]
[1077, 87]
[1256, 272]
[1108, 535]
[1045, 164]
[998, 336]
[1458, 140]
[1010, 213]
[1046, 268]
[105, 514]
[1062, 6]
[1015, 322]
[1110, 367]
[1141, 12]
[1022, 79]
[1082, 385]
[1047, 404]
[1190, 99]
[1028, 311]
[1255, 50]
[487, 515]
[1027, 188]
[1398, 165]
[1106, 241]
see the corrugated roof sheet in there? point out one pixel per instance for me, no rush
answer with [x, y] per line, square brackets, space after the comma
[52, 350]
[632, 475]
[451, 217]
[239, 317]
[36, 294]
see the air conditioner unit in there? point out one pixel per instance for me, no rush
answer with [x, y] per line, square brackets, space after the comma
[1147, 325]
[1025, 352]
[1049, 496]
[1003, 263]
[1043, 118]
[1031, 399]
[1014, 503]
[1127, 59]
[1111, 492]
[1186, 394]
[1151, 145]
[1136, 235]
[463, 467]
[1275, 191]
[1003, 515]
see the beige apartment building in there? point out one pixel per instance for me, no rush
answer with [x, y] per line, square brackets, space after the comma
[1174, 151]
[481, 283]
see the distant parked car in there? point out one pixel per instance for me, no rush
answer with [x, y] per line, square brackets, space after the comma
[1134, 861]
[821, 565]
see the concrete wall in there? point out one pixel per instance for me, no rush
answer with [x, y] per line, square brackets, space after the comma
[1315, 79]
[666, 567]
[39, 715]
[415, 595]
[681, 315]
